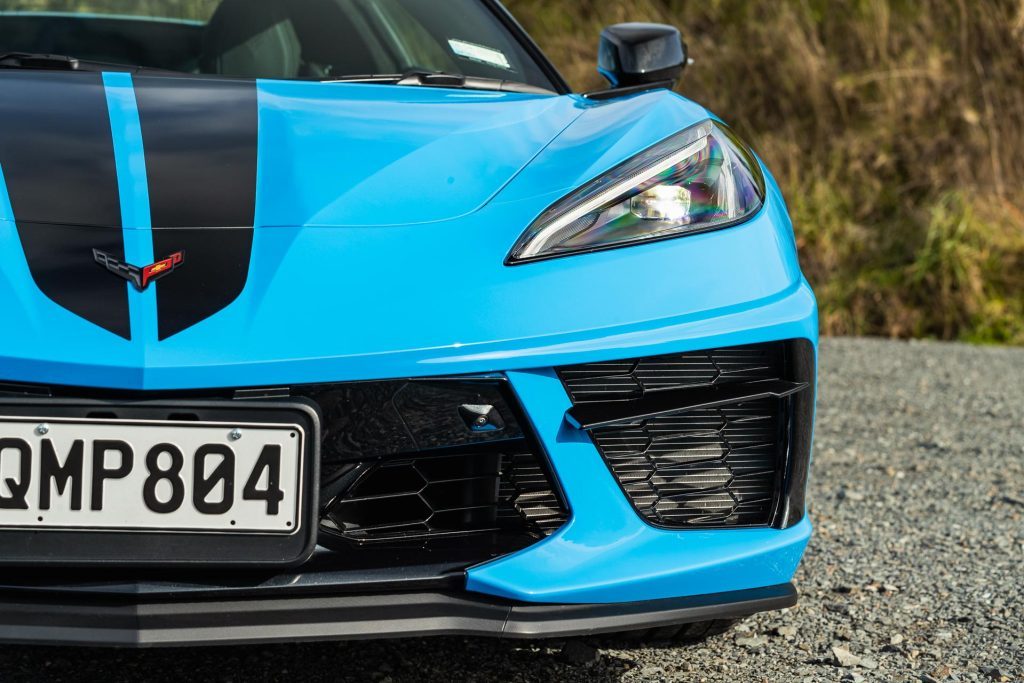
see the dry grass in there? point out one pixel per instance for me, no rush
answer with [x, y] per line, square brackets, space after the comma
[896, 128]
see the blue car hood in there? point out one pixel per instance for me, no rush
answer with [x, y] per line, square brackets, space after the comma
[290, 232]
[360, 155]
[342, 154]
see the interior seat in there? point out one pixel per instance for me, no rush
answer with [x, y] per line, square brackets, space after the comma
[252, 38]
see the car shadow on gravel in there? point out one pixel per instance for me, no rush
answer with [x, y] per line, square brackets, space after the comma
[392, 661]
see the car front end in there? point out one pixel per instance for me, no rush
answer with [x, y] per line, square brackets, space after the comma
[293, 359]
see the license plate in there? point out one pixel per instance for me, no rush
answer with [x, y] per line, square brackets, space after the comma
[161, 476]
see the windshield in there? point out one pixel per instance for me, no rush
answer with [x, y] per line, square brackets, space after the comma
[314, 39]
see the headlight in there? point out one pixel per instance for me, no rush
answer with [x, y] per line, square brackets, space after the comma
[701, 179]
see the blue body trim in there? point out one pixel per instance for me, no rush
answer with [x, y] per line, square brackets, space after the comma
[130, 160]
[6, 212]
[606, 553]
[350, 304]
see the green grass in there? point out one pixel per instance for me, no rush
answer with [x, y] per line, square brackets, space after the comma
[895, 127]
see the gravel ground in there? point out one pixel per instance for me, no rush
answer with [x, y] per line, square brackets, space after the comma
[915, 573]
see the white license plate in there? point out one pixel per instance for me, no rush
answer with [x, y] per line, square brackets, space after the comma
[121, 475]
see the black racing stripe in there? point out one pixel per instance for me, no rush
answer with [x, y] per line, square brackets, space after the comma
[214, 273]
[200, 138]
[57, 156]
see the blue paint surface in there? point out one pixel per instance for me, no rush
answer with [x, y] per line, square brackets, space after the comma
[133, 186]
[330, 298]
[607, 553]
[6, 212]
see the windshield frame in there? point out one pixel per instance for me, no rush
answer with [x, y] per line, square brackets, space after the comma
[527, 42]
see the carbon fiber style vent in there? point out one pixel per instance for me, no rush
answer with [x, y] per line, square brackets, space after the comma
[716, 438]
[526, 487]
[445, 497]
[426, 463]
[633, 379]
[708, 467]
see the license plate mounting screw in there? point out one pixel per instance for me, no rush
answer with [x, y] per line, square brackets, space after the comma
[235, 434]
[43, 429]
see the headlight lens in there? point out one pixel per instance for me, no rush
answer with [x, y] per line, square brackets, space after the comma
[701, 179]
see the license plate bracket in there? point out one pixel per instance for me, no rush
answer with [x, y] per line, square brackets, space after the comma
[172, 547]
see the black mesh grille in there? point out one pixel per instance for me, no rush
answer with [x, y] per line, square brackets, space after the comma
[441, 472]
[363, 421]
[527, 496]
[404, 463]
[445, 497]
[632, 379]
[718, 466]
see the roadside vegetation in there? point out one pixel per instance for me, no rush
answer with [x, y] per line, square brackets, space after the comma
[896, 128]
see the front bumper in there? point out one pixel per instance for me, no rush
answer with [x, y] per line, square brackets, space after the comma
[606, 569]
[149, 622]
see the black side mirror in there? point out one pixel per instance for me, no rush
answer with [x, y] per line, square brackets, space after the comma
[633, 55]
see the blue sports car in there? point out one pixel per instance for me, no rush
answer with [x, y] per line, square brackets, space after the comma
[348, 319]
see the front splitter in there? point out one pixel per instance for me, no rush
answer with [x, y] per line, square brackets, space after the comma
[42, 620]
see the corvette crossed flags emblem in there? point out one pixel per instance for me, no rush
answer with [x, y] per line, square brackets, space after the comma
[140, 277]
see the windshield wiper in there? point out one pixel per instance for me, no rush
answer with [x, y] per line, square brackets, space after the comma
[437, 79]
[30, 60]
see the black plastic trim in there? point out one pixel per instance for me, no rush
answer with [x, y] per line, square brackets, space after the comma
[627, 91]
[594, 415]
[543, 621]
[517, 440]
[792, 504]
[326, 572]
[529, 44]
[791, 484]
[347, 617]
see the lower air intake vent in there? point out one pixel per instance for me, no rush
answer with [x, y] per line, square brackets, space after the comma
[706, 467]
[717, 438]
[528, 497]
[446, 497]
[430, 464]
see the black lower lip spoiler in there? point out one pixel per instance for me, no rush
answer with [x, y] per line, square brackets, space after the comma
[49, 621]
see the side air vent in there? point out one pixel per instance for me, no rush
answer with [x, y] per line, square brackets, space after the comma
[528, 497]
[717, 438]
[636, 379]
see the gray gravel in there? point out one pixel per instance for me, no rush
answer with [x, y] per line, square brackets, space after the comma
[915, 573]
